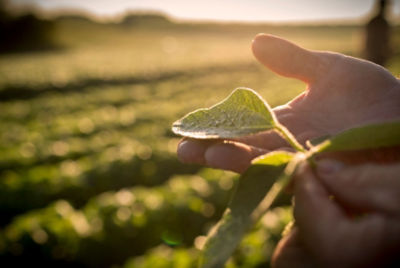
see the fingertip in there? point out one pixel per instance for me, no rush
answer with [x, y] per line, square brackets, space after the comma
[192, 151]
[258, 39]
[285, 58]
[263, 45]
[261, 39]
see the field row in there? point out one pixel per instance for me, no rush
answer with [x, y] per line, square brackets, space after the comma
[118, 225]
[100, 53]
[77, 145]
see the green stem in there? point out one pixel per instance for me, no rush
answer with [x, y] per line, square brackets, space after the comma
[277, 188]
[271, 196]
[285, 133]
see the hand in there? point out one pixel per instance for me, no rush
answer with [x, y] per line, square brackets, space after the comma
[327, 235]
[342, 92]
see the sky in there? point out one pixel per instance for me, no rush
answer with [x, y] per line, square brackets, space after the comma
[226, 10]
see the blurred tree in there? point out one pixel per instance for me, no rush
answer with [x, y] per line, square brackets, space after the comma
[25, 32]
[4, 16]
[377, 47]
[145, 19]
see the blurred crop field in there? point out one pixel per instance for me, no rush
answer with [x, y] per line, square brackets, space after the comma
[88, 171]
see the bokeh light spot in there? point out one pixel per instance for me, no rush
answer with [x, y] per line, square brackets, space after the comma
[85, 125]
[60, 148]
[200, 241]
[39, 236]
[124, 197]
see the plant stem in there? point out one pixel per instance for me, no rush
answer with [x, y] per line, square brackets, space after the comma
[271, 196]
[277, 188]
[285, 178]
[282, 130]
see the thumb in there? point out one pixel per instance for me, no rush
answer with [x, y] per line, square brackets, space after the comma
[288, 59]
[365, 187]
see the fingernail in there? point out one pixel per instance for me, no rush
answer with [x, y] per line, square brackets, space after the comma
[327, 167]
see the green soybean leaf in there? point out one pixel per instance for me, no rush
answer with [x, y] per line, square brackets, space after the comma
[243, 112]
[365, 137]
[251, 190]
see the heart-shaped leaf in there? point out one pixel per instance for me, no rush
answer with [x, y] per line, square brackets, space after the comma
[365, 137]
[243, 112]
[251, 190]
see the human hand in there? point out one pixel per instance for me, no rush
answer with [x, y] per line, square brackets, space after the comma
[326, 234]
[342, 92]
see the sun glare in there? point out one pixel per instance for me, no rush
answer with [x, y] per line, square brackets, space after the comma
[225, 10]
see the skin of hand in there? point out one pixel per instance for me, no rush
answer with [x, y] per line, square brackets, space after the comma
[326, 234]
[342, 92]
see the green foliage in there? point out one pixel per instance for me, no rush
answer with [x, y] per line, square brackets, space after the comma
[253, 186]
[242, 113]
[254, 251]
[32, 187]
[264, 181]
[372, 136]
[120, 224]
[85, 125]
[165, 257]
